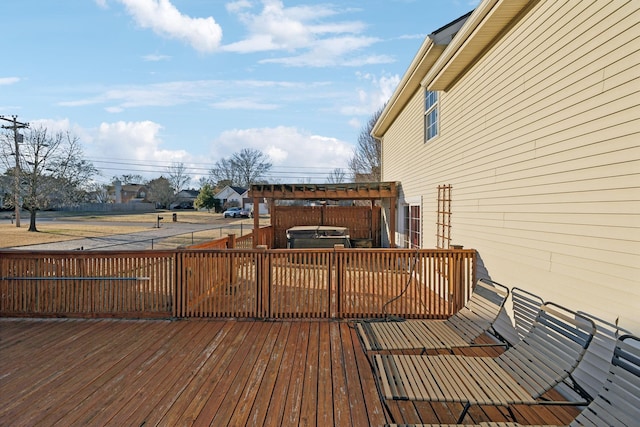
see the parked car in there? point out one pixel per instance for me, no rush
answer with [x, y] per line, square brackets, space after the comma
[236, 213]
[184, 205]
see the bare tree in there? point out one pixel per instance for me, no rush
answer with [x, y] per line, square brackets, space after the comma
[204, 180]
[161, 191]
[53, 171]
[129, 178]
[337, 176]
[246, 167]
[178, 176]
[6, 189]
[223, 172]
[365, 163]
[98, 193]
[251, 166]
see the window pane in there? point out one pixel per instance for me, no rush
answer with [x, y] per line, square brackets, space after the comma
[431, 115]
[430, 99]
[432, 124]
[414, 227]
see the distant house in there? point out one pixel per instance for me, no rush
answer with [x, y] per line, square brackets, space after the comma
[184, 199]
[232, 196]
[515, 132]
[128, 193]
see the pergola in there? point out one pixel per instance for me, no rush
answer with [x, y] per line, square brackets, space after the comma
[371, 191]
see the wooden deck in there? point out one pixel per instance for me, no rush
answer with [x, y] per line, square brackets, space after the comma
[198, 372]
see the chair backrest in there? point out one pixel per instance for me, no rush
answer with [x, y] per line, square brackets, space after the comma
[594, 366]
[525, 306]
[484, 305]
[618, 402]
[550, 351]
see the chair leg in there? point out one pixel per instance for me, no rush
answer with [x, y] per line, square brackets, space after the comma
[464, 413]
[511, 414]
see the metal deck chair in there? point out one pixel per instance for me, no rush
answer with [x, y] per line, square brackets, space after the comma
[460, 330]
[618, 401]
[546, 356]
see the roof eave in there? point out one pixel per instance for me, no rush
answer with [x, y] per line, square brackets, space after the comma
[432, 47]
[424, 59]
[484, 26]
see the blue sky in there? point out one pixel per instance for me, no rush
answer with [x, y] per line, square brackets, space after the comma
[149, 83]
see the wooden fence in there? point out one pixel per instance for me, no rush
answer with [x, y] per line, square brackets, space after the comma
[237, 283]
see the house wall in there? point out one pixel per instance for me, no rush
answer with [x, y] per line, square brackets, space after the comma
[540, 141]
[228, 195]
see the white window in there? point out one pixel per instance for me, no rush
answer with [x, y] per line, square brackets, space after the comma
[430, 115]
[412, 226]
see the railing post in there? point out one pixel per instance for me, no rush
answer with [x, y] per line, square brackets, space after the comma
[263, 296]
[231, 243]
[177, 284]
[339, 266]
[458, 275]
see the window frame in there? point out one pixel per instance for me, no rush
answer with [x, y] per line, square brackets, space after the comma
[431, 115]
[414, 226]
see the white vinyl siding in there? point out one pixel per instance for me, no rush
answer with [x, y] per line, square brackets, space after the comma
[542, 150]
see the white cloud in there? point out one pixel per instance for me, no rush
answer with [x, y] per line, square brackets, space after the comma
[236, 94]
[238, 6]
[355, 123]
[374, 96]
[287, 147]
[9, 80]
[412, 37]
[203, 34]
[243, 104]
[302, 31]
[339, 51]
[61, 125]
[134, 147]
[122, 147]
[156, 57]
[130, 140]
[154, 95]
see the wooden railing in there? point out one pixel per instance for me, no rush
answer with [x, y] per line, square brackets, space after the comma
[232, 242]
[87, 284]
[243, 283]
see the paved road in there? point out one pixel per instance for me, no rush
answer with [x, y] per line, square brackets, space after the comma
[141, 240]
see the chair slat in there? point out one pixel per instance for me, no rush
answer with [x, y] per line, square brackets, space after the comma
[460, 330]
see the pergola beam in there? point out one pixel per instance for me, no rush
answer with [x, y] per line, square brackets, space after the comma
[348, 191]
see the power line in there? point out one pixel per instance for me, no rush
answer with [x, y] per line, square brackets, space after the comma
[164, 163]
[162, 167]
[146, 168]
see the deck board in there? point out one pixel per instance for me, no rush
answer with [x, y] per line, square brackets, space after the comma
[205, 372]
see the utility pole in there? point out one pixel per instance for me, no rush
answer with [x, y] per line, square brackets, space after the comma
[17, 139]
